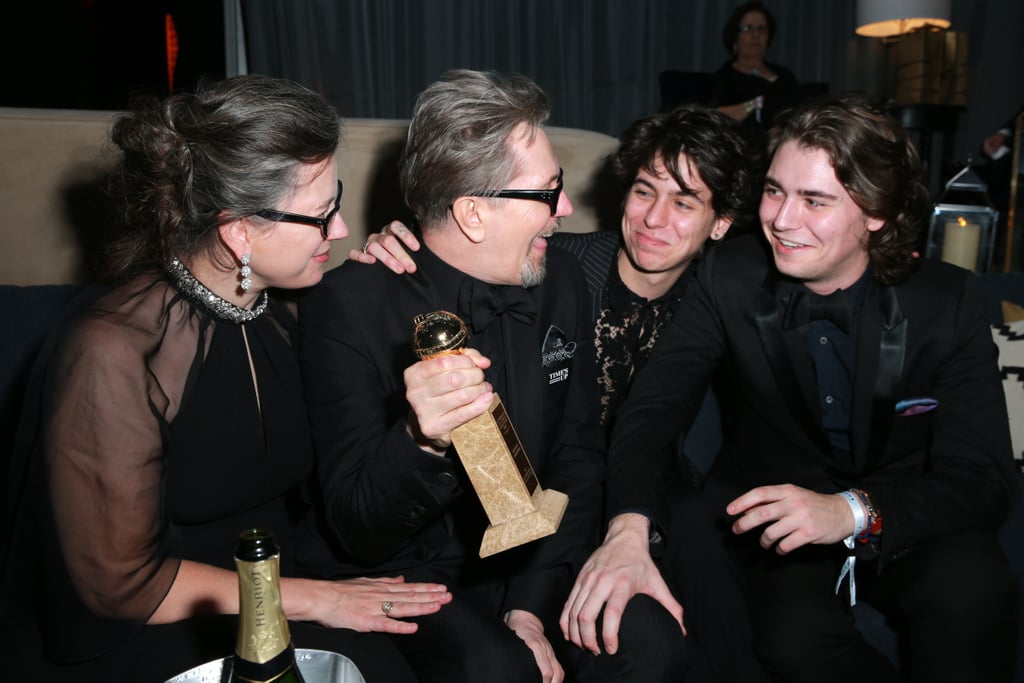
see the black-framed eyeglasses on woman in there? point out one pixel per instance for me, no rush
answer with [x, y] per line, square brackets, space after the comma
[549, 197]
[323, 223]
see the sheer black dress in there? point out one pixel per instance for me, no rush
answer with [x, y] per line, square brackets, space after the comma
[157, 429]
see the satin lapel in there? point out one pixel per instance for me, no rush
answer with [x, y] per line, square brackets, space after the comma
[420, 296]
[525, 402]
[416, 296]
[789, 362]
[882, 327]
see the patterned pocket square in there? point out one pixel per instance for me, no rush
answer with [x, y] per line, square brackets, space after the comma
[915, 406]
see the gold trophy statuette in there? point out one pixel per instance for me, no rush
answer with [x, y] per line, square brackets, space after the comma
[519, 510]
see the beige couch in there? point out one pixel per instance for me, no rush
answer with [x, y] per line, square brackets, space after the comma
[51, 162]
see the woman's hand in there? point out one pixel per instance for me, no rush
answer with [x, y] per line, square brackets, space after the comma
[389, 246]
[356, 604]
[742, 110]
[359, 604]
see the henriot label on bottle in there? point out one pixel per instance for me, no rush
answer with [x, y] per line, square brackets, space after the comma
[263, 634]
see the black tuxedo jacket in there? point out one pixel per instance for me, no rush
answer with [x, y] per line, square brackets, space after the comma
[391, 507]
[930, 473]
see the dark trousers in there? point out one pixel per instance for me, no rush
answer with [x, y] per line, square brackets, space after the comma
[467, 640]
[707, 583]
[953, 601]
[718, 646]
[652, 649]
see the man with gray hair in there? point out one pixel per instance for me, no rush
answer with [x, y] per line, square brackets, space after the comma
[686, 177]
[481, 177]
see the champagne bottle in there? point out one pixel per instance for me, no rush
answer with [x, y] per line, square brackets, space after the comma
[264, 650]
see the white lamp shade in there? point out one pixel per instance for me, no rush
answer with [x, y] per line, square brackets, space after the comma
[885, 18]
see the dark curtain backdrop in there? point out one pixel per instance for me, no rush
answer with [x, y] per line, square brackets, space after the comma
[598, 60]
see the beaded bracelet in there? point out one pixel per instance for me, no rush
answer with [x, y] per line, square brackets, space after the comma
[874, 516]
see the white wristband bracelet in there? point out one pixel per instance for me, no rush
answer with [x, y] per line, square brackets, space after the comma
[860, 523]
[860, 518]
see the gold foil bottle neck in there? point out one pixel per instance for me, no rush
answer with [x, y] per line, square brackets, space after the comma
[263, 629]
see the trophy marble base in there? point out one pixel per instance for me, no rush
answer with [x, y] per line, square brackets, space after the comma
[519, 510]
[549, 506]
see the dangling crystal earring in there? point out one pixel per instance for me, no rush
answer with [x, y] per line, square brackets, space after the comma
[246, 271]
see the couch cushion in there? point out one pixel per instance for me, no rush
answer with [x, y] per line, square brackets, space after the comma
[29, 315]
[53, 164]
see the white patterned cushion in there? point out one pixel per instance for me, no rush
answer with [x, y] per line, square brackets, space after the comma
[1010, 340]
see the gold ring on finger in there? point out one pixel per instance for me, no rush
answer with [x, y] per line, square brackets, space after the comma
[386, 607]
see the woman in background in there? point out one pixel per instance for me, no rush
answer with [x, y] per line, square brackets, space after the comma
[171, 416]
[747, 88]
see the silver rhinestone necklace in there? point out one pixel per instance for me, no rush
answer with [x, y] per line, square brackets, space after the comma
[195, 291]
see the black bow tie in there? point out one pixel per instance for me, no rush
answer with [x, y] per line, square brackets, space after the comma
[481, 303]
[804, 307]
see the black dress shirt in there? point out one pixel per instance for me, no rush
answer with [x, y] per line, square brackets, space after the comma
[834, 354]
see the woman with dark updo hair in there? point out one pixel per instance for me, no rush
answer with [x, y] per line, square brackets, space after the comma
[747, 88]
[168, 413]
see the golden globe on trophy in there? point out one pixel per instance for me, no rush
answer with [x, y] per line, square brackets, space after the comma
[519, 510]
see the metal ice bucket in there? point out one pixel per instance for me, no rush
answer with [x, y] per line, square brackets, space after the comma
[317, 666]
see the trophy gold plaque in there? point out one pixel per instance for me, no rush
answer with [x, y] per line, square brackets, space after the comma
[519, 510]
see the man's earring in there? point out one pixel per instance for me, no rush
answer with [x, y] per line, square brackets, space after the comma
[245, 272]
